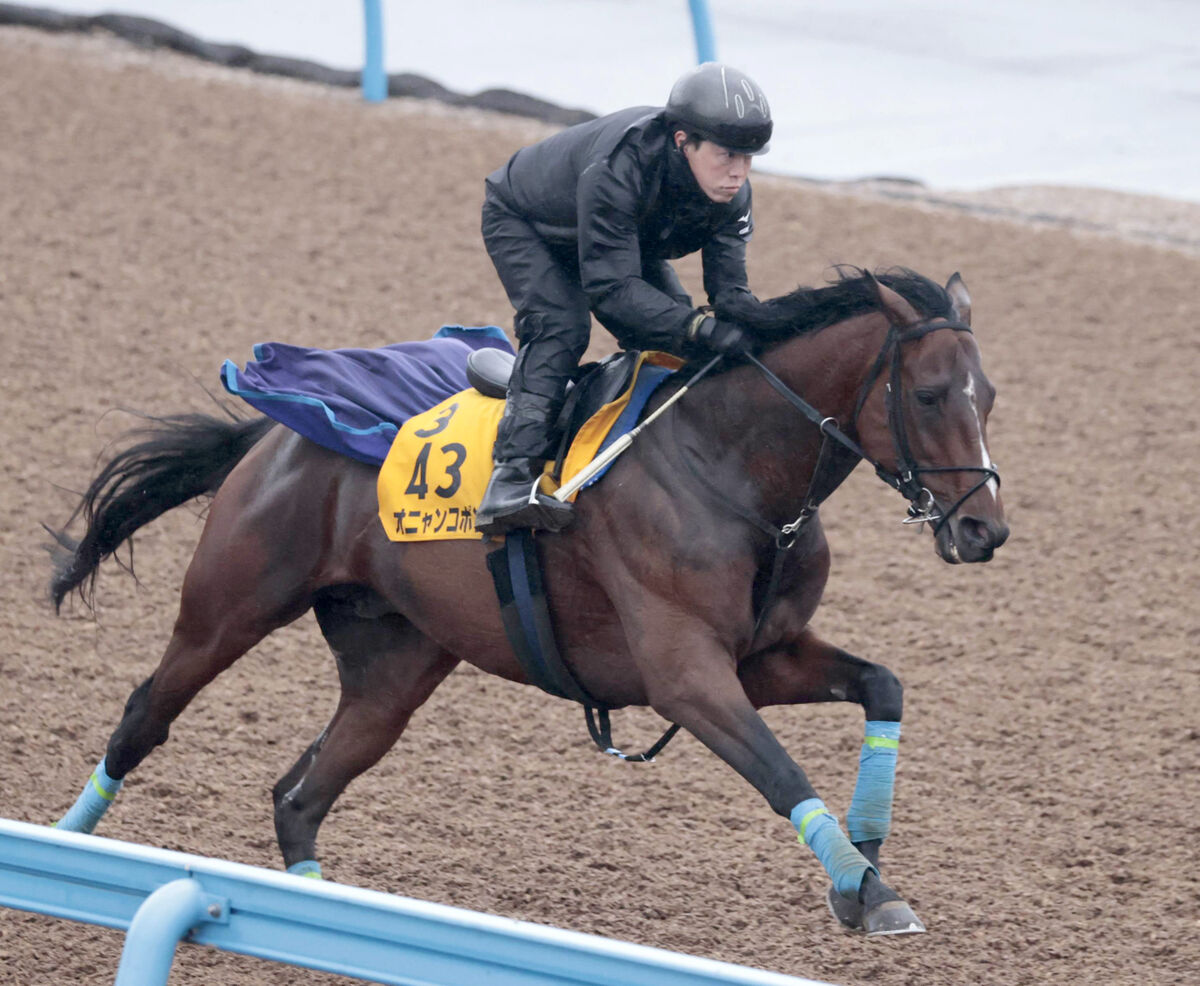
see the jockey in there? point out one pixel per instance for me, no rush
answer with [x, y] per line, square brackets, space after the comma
[584, 222]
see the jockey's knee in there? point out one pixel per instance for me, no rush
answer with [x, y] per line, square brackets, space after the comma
[558, 337]
[546, 362]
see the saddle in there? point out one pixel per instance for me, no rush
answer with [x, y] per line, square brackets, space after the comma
[515, 564]
[593, 386]
[488, 371]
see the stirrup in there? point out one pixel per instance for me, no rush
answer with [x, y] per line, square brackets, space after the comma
[539, 513]
[533, 510]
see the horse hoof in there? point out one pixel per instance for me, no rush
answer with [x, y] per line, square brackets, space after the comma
[892, 917]
[849, 913]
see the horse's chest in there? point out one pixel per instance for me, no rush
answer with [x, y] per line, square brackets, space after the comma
[791, 600]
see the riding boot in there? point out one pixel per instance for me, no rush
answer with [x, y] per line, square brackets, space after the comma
[512, 500]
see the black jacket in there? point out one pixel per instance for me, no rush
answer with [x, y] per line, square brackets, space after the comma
[619, 190]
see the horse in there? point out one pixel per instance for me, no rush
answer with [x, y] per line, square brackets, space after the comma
[686, 582]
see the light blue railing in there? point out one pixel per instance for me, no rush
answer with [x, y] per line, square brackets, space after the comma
[374, 75]
[706, 45]
[163, 897]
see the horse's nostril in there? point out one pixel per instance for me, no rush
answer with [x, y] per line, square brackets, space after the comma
[977, 533]
[974, 532]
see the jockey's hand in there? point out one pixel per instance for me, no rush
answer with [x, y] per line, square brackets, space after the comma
[716, 336]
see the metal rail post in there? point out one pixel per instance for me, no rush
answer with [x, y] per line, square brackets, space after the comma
[706, 47]
[158, 926]
[158, 896]
[374, 78]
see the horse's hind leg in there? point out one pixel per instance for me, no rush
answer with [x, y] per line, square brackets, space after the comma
[387, 670]
[814, 671]
[233, 596]
[197, 653]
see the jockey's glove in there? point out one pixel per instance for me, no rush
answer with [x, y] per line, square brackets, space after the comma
[710, 334]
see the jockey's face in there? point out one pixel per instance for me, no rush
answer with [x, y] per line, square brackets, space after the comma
[719, 172]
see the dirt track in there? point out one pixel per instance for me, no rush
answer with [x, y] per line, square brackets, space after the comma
[155, 219]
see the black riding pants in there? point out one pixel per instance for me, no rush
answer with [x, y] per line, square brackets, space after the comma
[553, 324]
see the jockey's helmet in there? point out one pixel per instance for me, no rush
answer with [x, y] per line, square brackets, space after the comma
[721, 104]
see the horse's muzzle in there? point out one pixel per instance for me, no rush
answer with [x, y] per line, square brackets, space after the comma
[965, 538]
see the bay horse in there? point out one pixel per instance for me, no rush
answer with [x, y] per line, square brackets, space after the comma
[686, 582]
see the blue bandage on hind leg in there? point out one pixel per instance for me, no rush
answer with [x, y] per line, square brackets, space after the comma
[307, 867]
[870, 814]
[819, 830]
[88, 808]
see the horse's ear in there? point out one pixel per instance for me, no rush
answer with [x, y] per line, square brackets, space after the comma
[894, 306]
[960, 298]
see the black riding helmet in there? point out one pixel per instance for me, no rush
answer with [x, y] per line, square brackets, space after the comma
[721, 104]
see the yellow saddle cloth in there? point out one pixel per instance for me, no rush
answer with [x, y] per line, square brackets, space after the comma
[440, 462]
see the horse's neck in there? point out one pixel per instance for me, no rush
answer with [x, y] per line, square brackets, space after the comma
[749, 438]
[828, 368]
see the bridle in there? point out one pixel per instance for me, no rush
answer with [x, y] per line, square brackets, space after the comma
[905, 478]
[922, 505]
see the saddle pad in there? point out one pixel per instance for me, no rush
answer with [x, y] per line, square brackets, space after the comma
[439, 465]
[618, 416]
[353, 401]
[433, 478]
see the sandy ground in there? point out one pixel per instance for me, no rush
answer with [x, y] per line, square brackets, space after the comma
[157, 216]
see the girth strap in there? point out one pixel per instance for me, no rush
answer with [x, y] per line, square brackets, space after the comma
[517, 574]
[601, 732]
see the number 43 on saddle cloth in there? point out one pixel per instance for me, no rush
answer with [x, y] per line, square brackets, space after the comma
[434, 476]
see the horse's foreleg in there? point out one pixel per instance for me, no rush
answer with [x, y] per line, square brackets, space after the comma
[387, 671]
[814, 671]
[704, 695]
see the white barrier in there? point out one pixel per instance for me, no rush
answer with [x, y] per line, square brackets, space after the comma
[161, 897]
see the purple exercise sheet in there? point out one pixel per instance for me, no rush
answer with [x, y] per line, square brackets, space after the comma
[353, 401]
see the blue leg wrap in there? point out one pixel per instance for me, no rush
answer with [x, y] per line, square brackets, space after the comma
[307, 867]
[92, 803]
[870, 814]
[819, 830]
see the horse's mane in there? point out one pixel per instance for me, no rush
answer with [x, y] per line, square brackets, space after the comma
[849, 293]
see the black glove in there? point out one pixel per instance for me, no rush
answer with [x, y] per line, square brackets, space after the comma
[715, 336]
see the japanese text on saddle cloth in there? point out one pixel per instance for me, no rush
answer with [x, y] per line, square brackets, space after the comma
[431, 483]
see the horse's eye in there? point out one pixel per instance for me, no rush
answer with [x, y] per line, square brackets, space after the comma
[927, 398]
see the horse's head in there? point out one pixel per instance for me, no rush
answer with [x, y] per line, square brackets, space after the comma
[923, 417]
[915, 397]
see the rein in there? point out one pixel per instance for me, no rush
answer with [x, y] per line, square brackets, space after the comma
[523, 604]
[922, 508]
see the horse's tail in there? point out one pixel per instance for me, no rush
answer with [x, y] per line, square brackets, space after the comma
[173, 460]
